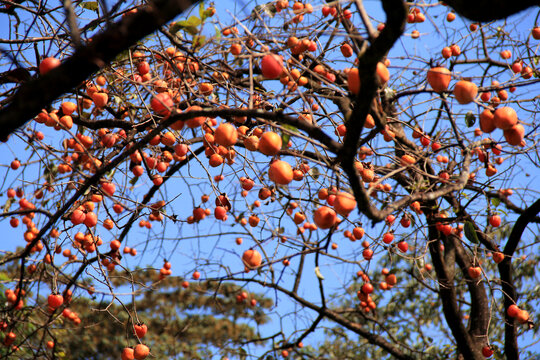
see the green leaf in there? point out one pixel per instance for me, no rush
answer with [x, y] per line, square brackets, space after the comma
[495, 202]
[4, 276]
[205, 13]
[314, 172]
[90, 5]
[470, 119]
[285, 137]
[134, 180]
[201, 9]
[268, 9]
[8, 204]
[218, 33]
[198, 42]
[190, 25]
[470, 232]
[174, 27]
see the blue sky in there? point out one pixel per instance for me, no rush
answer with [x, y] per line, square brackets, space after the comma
[191, 247]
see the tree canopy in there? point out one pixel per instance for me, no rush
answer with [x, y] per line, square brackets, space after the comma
[307, 180]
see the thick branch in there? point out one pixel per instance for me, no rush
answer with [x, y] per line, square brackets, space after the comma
[489, 10]
[505, 271]
[396, 12]
[104, 47]
[444, 268]
[334, 316]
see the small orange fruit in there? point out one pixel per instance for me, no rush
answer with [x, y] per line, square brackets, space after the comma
[344, 203]
[252, 258]
[270, 143]
[281, 172]
[226, 134]
[465, 91]
[324, 217]
[504, 118]
[439, 78]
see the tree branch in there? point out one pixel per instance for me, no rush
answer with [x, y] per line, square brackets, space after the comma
[104, 47]
[489, 10]
[506, 272]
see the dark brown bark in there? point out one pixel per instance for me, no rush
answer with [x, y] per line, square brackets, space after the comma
[444, 265]
[511, 349]
[489, 10]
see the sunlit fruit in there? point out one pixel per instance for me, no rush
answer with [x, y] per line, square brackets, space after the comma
[498, 257]
[324, 217]
[465, 91]
[48, 64]
[252, 258]
[487, 351]
[55, 300]
[513, 310]
[128, 354]
[439, 78]
[403, 246]
[271, 66]
[353, 81]
[474, 272]
[495, 220]
[536, 33]
[270, 143]
[505, 117]
[383, 75]
[141, 351]
[344, 203]
[515, 135]
[487, 124]
[226, 134]
[140, 330]
[162, 104]
[280, 172]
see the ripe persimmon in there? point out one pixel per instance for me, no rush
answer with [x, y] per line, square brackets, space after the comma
[505, 117]
[280, 172]
[140, 330]
[195, 121]
[226, 134]
[252, 258]
[536, 33]
[465, 91]
[346, 50]
[407, 160]
[271, 66]
[487, 124]
[513, 310]
[236, 49]
[353, 81]
[140, 352]
[324, 217]
[270, 143]
[48, 64]
[55, 301]
[474, 272]
[515, 135]
[344, 203]
[495, 220]
[162, 104]
[439, 78]
[383, 75]
[128, 354]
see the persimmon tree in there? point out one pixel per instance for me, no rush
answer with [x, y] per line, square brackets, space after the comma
[301, 169]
